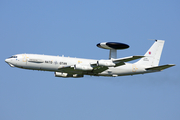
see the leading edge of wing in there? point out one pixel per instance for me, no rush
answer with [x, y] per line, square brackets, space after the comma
[121, 61]
[127, 59]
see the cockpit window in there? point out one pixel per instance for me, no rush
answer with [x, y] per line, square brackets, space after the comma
[13, 57]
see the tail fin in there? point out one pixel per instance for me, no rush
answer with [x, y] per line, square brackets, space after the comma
[153, 55]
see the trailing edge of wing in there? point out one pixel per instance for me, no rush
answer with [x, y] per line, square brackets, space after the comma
[160, 68]
[126, 59]
[66, 68]
[96, 69]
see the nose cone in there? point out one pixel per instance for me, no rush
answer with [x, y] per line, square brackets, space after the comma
[7, 60]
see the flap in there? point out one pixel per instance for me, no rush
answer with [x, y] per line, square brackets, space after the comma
[96, 69]
[63, 67]
[99, 69]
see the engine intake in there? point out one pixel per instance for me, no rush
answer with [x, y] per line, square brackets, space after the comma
[60, 74]
[65, 75]
[78, 75]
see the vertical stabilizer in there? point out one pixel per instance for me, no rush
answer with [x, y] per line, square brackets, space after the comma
[153, 55]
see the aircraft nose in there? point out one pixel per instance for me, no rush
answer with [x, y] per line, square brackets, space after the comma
[7, 60]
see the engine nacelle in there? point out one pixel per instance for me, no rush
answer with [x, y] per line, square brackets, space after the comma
[83, 67]
[65, 75]
[60, 74]
[107, 63]
[78, 75]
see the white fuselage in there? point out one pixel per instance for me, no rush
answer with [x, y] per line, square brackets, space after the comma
[53, 63]
[78, 67]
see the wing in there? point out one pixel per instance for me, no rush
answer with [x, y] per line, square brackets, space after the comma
[121, 61]
[72, 69]
[115, 62]
[66, 69]
[94, 67]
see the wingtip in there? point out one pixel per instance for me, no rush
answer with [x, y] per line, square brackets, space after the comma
[172, 64]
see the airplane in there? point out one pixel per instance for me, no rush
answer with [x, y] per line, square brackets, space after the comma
[78, 67]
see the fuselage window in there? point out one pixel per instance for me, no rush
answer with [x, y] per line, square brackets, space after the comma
[13, 57]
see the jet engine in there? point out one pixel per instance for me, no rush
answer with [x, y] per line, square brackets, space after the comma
[60, 74]
[83, 67]
[107, 63]
[78, 75]
[65, 75]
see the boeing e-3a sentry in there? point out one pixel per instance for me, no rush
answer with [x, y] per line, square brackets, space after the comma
[78, 67]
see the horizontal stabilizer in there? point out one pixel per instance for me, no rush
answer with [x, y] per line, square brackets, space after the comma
[160, 68]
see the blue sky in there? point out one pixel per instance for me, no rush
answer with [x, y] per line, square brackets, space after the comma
[73, 28]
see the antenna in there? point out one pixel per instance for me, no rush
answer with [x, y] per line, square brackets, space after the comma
[113, 47]
[153, 39]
